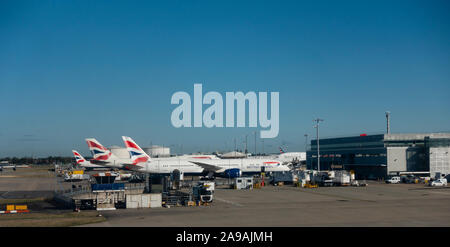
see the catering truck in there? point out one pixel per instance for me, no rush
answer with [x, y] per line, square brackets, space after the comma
[340, 177]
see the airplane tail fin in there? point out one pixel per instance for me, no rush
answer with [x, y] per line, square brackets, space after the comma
[78, 158]
[281, 151]
[137, 155]
[99, 152]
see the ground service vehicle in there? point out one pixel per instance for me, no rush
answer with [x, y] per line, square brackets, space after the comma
[204, 191]
[393, 180]
[439, 182]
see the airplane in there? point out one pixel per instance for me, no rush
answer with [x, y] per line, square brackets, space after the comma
[197, 156]
[5, 165]
[229, 168]
[103, 156]
[163, 166]
[82, 162]
[289, 157]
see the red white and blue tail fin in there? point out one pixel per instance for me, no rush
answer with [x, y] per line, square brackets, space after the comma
[137, 155]
[281, 151]
[78, 158]
[99, 152]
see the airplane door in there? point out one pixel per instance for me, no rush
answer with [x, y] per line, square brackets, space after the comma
[158, 166]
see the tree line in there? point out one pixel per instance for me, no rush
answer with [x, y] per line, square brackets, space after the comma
[38, 161]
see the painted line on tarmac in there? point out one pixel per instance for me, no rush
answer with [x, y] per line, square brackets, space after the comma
[439, 192]
[431, 188]
[230, 202]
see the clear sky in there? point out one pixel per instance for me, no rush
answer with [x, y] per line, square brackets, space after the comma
[76, 69]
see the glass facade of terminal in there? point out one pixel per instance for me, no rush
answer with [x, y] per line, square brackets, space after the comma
[378, 156]
[366, 155]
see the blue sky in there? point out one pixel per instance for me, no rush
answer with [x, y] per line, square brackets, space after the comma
[76, 69]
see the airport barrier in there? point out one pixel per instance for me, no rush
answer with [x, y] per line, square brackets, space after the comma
[135, 186]
[13, 209]
[144, 201]
[21, 207]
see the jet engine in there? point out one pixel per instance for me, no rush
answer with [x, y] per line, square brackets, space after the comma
[232, 173]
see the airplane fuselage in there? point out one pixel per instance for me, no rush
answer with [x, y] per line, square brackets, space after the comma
[188, 167]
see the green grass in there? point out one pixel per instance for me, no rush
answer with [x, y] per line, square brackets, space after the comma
[50, 220]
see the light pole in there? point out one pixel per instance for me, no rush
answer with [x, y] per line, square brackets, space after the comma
[246, 151]
[306, 142]
[318, 120]
[262, 146]
[388, 118]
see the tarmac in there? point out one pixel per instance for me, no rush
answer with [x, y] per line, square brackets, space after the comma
[29, 183]
[377, 204]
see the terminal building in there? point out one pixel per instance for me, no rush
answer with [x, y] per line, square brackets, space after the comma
[379, 156]
[157, 151]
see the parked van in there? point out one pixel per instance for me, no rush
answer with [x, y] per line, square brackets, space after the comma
[393, 180]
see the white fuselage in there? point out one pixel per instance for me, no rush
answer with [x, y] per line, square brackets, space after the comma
[291, 156]
[186, 166]
[114, 163]
[88, 164]
[196, 156]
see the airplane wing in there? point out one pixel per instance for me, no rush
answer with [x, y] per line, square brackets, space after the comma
[101, 162]
[133, 167]
[8, 166]
[207, 167]
[93, 161]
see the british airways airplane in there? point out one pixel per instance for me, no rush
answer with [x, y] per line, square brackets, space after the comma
[229, 168]
[289, 157]
[82, 162]
[103, 156]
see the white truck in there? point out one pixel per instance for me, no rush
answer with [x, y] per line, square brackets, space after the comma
[393, 180]
[204, 191]
[340, 177]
